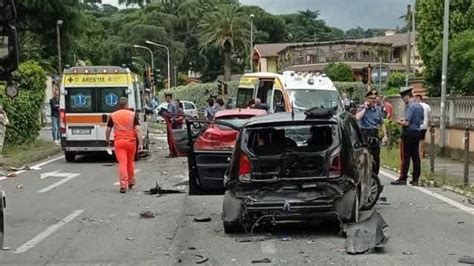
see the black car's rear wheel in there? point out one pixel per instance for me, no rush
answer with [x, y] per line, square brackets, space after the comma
[375, 190]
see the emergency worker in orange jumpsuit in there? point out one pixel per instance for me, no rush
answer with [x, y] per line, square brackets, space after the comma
[126, 133]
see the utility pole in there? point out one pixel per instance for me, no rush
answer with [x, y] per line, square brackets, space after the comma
[251, 42]
[444, 71]
[380, 73]
[58, 36]
[408, 70]
[413, 29]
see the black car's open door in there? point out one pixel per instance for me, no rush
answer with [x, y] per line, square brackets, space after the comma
[206, 167]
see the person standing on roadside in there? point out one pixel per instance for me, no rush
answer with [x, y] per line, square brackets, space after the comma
[210, 111]
[54, 104]
[388, 108]
[126, 134]
[370, 117]
[170, 117]
[410, 139]
[424, 126]
[3, 128]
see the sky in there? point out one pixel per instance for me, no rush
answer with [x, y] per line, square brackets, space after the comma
[344, 14]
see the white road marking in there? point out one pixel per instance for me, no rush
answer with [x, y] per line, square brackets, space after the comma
[38, 166]
[34, 167]
[118, 182]
[56, 173]
[435, 195]
[268, 247]
[57, 184]
[49, 231]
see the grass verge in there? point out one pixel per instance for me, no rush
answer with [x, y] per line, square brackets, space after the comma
[391, 159]
[16, 156]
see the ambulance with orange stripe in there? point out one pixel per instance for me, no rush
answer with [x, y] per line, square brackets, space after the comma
[88, 97]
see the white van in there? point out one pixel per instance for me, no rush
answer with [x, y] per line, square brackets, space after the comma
[290, 90]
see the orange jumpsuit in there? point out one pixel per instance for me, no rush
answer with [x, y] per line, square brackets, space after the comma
[125, 142]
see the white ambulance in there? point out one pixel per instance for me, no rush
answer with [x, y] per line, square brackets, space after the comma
[88, 96]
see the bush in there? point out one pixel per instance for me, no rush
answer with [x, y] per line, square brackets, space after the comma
[24, 110]
[339, 72]
[394, 131]
[355, 90]
[198, 93]
[394, 82]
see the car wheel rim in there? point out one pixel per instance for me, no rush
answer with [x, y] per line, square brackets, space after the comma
[374, 190]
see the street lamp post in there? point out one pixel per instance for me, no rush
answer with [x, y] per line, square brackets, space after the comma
[149, 50]
[58, 36]
[444, 71]
[251, 42]
[140, 59]
[168, 53]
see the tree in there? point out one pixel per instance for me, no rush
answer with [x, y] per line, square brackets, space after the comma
[339, 72]
[226, 29]
[394, 82]
[305, 26]
[461, 63]
[37, 22]
[430, 29]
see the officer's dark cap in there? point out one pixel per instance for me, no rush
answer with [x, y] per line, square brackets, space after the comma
[372, 93]
[168, 95]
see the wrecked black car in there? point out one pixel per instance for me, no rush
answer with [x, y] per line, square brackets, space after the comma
[296, 167]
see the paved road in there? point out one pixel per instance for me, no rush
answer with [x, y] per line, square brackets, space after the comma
[84, 220]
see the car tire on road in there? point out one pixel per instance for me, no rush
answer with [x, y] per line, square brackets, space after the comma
[70, 156]
[375, 190]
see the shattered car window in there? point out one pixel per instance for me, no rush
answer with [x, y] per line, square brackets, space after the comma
[303, 138]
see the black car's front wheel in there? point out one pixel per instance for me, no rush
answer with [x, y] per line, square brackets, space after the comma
[375, 190]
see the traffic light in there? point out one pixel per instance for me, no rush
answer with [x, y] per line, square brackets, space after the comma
[225, 89]
[152, 77]
[146, 83]
[366, 74]
[219, 87]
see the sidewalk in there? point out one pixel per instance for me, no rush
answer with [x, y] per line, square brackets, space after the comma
[451, 168]
[45, 134]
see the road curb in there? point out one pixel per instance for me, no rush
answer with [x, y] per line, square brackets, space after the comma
[434, 184]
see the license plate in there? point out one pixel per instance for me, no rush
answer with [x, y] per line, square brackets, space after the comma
[81, 131]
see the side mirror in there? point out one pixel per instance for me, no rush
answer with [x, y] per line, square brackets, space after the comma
[8, 51]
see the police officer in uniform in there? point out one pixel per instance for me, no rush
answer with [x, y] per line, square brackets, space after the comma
[370, 117]
[410, 139]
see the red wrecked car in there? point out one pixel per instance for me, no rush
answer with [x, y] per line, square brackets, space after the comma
[210, 147]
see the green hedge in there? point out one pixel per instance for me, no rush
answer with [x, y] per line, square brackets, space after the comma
[199, 92]
[24, 110]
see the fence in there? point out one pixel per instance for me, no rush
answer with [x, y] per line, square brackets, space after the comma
[459, 110]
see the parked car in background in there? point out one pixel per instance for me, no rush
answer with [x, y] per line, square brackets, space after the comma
[210, 147]
[296, 167]
[189, 109]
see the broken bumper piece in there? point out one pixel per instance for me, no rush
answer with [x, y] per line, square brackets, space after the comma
[367, 234]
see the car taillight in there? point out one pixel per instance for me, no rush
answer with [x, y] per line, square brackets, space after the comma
[335, 169]
[244, 168]
[62, 119]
